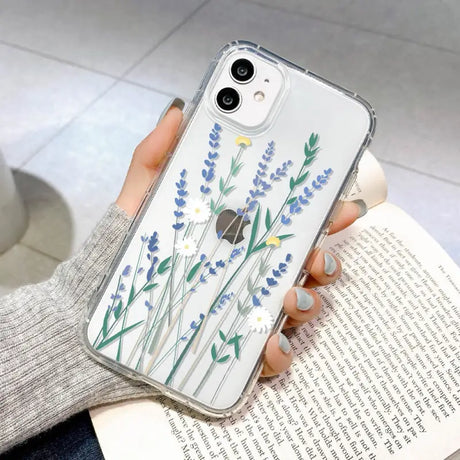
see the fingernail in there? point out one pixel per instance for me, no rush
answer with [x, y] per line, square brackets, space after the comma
[283, 343]
[330, 265]
[174, 102]
[362, 207]
[304, 299]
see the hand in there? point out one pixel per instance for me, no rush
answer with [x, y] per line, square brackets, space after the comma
[301, 304]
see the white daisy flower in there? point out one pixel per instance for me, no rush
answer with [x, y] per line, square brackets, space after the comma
[260, 320]
[197, 211]
[187, 247]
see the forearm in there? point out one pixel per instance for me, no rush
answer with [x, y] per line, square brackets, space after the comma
[45, 374]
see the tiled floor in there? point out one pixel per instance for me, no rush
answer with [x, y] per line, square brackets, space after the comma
[81, 82]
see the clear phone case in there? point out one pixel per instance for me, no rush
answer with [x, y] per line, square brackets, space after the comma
[197, 288]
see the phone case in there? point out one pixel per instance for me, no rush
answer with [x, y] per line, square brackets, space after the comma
[197, 288]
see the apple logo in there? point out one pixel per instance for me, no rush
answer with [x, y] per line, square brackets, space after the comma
[230, 226]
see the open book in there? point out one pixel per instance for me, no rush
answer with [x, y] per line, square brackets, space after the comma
[376, 376]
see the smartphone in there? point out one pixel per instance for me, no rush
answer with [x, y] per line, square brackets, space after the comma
[265, 153]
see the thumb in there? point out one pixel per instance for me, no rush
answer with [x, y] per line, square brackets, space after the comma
[147, 161]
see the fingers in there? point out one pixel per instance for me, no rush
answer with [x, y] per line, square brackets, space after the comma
[301, 305]
[147, 159]
[324, 268]
[278, 355]
[349, 212]
[152, 150]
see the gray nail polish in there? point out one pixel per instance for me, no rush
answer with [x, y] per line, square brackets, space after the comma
[174, 102]
[362, 207]
[283, 343]
[304, 299]
[330, 265]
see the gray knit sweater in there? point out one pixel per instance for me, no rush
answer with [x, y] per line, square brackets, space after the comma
[45, 374]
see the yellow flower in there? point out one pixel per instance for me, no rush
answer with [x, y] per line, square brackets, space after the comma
[243, 141]
[273, 240]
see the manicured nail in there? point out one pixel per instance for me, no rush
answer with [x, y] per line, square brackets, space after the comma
[283, 343]
[362, 207]
[330, 265]
[304, 300]
[174, 102]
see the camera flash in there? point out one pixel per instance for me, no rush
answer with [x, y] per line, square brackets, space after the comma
[259, 96]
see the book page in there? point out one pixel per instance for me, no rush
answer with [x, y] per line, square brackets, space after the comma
[376, 376]
[370, 184]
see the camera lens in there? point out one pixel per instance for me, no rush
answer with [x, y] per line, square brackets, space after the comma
[228, 99]
[242, 70]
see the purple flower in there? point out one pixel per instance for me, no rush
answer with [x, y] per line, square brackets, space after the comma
[152, 246]
[181, 192]
[148, 305]
[285, 220]
[208, 173]
[115, 296]
[126, 271]
[235, 253]
[302, 200]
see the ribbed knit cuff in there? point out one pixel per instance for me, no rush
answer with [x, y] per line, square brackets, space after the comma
[45, 374]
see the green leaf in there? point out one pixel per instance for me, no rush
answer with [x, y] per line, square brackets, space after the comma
[236, 169]
[268, 220]
[212, 205]
[291, 200]
[313, 140]
[131, 294]
[193, 271]
[221, 184]
[163, 265]
[213, 352]
[235, 340]
[228, 190]
[250, 286]
[117, 311]
[254, 229]
[222, 336]
[263, 245]
[302, 178]
[283, 237]
[223, 359]
[263, 268]
[117, 335]
[105, 323]
[291, 183]
[219, 209]
[243, 311]
[150, 286]
[310, 155]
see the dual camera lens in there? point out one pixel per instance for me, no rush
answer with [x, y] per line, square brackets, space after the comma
[229, 99]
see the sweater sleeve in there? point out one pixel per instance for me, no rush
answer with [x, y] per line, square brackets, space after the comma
[45, 374]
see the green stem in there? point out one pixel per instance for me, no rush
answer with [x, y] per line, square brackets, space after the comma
[230, 332]
[125, 314]
[230, 367]
[111, 309]
[197, 360]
